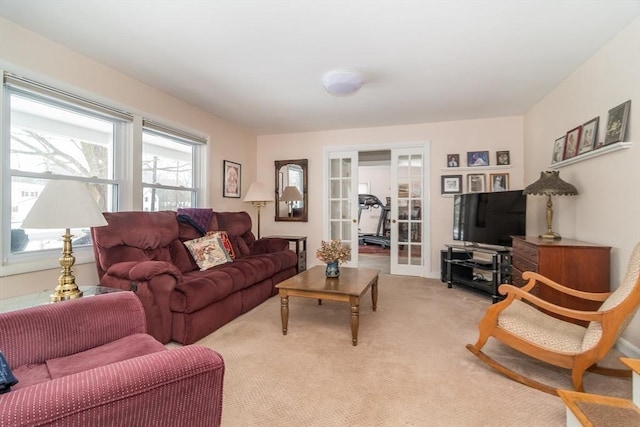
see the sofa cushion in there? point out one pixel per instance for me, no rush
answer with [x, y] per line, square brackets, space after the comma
[181, 257]
[200, 289]
[29, 375]
[208, 251]
[116, 351]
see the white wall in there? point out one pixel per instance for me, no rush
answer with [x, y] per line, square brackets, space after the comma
[26, 53]
[503, 133]
[607, 210]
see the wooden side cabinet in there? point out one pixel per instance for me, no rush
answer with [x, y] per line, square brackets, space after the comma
[572, 263]
[300, 249]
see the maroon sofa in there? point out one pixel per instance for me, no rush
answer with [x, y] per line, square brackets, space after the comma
[89, 362]
[144, 252]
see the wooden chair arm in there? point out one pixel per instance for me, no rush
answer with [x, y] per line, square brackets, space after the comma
[538, 278]
[589, 316]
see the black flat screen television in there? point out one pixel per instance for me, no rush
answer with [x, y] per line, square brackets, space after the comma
[489, 218]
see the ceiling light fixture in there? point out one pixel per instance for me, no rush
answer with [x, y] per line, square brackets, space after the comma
[341, 83]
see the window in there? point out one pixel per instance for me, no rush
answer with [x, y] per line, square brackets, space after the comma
[50, 134]
[53, 139]
[168, 160]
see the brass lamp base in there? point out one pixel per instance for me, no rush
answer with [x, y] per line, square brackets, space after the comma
[550, 236]
[65, 295]
[67, 288]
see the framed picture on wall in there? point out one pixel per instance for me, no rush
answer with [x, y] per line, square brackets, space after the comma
[476, 182]
[558, 149]
[453, 160]
[451, 184]
[231, 179]
[503, 158]
[617, 123]
[571, 144]
[478, 158]
[589, 136]
[499, 181]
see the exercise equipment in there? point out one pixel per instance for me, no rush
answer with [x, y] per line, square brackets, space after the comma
[381, 237]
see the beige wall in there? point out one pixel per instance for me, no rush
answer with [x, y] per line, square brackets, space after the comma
[607, 210]
[504, 133]
[28, 54]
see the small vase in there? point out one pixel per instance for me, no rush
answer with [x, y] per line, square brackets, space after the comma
[332, 269]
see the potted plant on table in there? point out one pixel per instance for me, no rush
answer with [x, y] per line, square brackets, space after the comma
[333, 253]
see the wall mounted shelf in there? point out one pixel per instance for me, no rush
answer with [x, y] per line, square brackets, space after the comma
[476, 168]
[591, 154]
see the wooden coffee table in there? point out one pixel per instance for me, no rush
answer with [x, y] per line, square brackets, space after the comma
[349, 287]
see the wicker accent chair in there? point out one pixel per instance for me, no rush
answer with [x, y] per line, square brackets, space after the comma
[518, 323]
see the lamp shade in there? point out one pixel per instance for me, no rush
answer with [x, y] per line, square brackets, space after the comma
[550, 184]
[291, 194]
[64, 204]
[259, 192]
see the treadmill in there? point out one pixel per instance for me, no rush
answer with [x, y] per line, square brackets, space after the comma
[369, 201]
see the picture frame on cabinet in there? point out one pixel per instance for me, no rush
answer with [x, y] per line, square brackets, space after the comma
[453, 160]
[476, 182]
[231, 179]
[499, 181]
[558, 149]
[571, 144]
[589, 136]
[617, 123]
[451, 184]
[503, 158]
[477, 158]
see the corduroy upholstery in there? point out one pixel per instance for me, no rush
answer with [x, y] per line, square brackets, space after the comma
[88, 362]
[181, 302]
[518, 322]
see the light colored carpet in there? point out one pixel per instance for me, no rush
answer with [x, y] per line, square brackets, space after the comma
[410, 367]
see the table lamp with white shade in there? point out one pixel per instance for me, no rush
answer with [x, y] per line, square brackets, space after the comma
[65, 204]
[291, 194]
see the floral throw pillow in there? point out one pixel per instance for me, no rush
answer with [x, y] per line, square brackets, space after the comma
[224, 238]
[208, 251]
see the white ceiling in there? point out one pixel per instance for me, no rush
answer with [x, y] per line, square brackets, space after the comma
[259, 63]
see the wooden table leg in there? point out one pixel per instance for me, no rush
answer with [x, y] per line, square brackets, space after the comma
[355, 319]
[374, 294]
[284, 312]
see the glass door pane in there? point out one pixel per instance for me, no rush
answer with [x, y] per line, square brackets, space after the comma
[407, 171]
[342, 207]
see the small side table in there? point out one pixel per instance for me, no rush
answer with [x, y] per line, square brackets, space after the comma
[301, 250]
[42, 297]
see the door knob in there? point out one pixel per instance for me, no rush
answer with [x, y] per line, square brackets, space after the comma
[393, 221]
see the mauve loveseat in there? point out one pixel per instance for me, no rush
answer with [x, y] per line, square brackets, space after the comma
[88, 362]
[144, 252]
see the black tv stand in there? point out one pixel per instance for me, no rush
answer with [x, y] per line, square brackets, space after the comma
[461, 268]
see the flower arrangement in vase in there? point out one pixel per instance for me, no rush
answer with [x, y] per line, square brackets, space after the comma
[332, 253]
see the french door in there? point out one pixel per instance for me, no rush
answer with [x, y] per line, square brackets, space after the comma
[408, 212]
[343, 200]
[409, 221]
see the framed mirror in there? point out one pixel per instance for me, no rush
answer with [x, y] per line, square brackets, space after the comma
[291, 190]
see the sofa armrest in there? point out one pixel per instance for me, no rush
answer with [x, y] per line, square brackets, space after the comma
[177, 387]
[153, 282]
[36, 334]
[267, 245]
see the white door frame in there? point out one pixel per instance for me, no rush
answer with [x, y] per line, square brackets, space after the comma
[426, 217]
